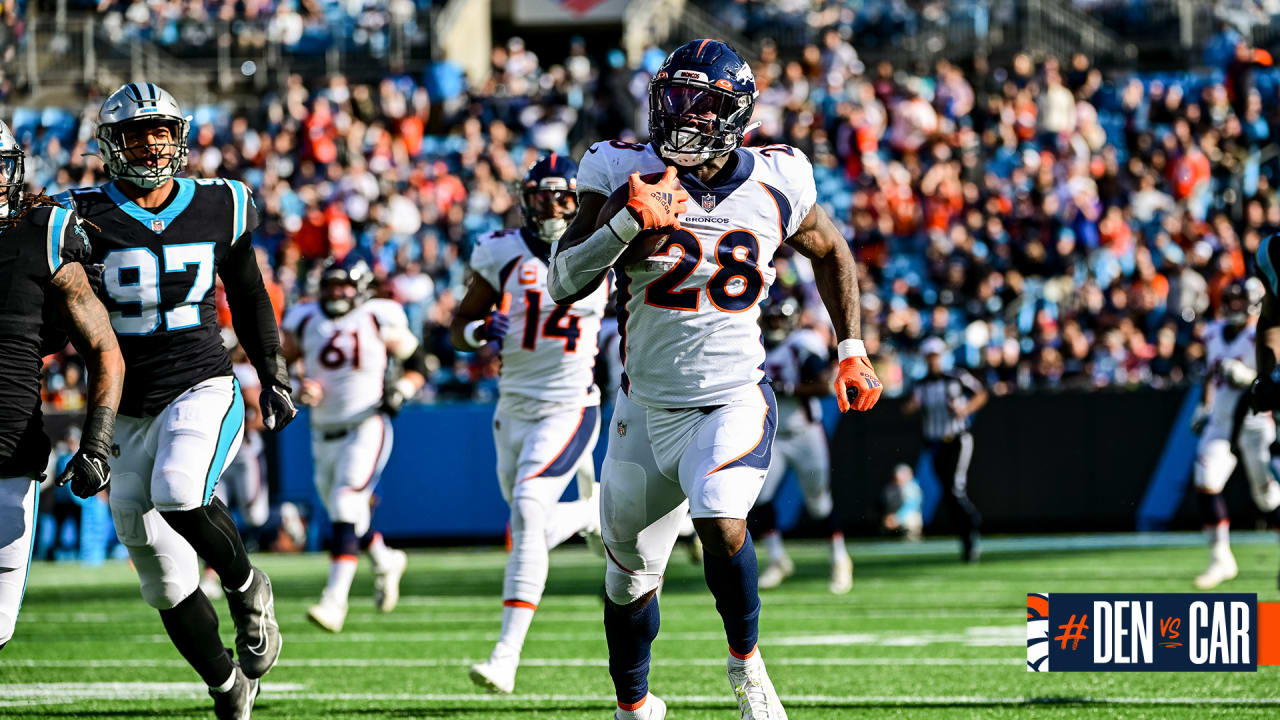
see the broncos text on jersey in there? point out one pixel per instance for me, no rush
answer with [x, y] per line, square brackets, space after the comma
[549, 356]
[689, 313]
[158, 280]
[32, 250]
[347, 355]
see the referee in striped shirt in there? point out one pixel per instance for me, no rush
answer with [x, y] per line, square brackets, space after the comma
[947, 402]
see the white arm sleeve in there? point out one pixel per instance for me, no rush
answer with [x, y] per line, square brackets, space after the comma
[582, 265]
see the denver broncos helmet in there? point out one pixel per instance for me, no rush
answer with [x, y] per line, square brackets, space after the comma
[549, 197]
[336, 277]
[700, 102]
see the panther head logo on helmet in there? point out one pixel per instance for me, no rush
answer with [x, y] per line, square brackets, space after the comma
[129, 141]
[700, 102]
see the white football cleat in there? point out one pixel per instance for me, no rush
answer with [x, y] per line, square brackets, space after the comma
[653, 708]
[498, 673]
[757, 700]
[386, 581]
[779, 568]
[841, 575]
[1221, 569]
[328, 614]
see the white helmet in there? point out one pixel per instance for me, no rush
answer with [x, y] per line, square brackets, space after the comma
[137, 103]
[12, 171]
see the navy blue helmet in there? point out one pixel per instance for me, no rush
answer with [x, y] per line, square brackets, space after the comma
[700, 102]
[344, 284]
[549, 196]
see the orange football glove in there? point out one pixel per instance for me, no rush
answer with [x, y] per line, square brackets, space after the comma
[657, 204]
[856, 384]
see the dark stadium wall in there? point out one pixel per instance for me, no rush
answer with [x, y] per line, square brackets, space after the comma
[1045, 462]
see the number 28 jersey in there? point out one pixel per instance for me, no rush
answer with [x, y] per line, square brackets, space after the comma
[347, 355]
[549, 354]
[689, 314]
[158, 277]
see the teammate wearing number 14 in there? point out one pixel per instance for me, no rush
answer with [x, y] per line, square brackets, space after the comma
[160, 239]
[548, 414]
[695, 419]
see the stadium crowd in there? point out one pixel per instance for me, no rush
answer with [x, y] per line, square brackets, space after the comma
[1058, 227]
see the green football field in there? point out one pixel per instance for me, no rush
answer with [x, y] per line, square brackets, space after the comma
[921, 636]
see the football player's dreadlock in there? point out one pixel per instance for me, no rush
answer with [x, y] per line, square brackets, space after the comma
[31, 201]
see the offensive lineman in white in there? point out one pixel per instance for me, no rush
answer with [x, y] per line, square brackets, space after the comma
[346, 342]
[799, 363]
[1229, 428]
[548, 415]
[693, 425]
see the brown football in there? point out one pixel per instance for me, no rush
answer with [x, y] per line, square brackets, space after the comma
[646, 242]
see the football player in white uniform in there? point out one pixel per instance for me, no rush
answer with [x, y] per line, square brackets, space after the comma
[347, 341]
[694, 424]
[798, 361]
[1228, 427]
[548, 414]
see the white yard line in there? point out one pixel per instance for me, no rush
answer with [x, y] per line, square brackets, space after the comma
[774, 660]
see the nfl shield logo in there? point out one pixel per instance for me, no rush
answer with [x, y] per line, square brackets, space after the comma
[708, 202]
[622, 429]
[157, 225]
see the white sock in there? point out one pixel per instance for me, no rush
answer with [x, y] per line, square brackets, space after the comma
[738, 663]
[630, 714]
[1220, 539]
[838, 549]
[773, 543]
[516, 620]
[567, 519]
[341, 572]
[378, 550]
[226, 686]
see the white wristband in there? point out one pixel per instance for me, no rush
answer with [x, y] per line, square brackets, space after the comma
[624, 225]
[470, 331]
[850, 348]
[406, 387]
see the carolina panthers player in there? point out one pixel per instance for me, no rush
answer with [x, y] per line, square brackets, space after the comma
[548, 414]
[160, 239]
[347, 341]
[798, 361]
[43, 288]
[1229, 429]
[1264, 394]
[693, 423]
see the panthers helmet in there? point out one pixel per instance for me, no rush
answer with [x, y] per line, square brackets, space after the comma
[700, 102]
[12, 171]
[350, 271]
[550, 186]
[1241, 300]
[141, 103]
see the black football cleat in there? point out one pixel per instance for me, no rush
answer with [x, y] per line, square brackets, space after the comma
[971, 547]
[236, 703]
[257, 632]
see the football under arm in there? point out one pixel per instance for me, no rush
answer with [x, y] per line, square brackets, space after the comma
[834, 269]
[252, 316]
[89, 327]
[582, 257]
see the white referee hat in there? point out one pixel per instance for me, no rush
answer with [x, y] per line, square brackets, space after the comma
[933, 346]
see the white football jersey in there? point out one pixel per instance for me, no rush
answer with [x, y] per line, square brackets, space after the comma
[800, 358]
[347, 355]
[549, 353]
[689, 313]
[1218, 349]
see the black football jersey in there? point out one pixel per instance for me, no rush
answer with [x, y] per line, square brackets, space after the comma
[157, 282]
[31, 252]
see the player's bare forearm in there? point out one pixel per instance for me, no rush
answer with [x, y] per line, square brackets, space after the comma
[834, 270]
[253, 412]
[476, 304]
[252, 315]
[89, 327]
